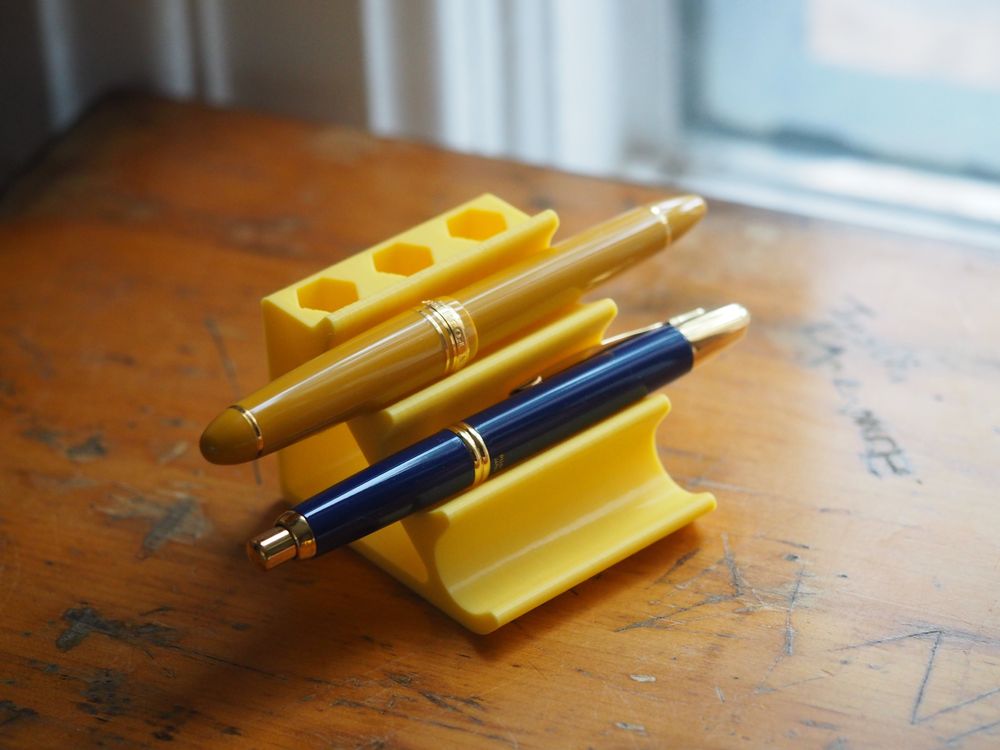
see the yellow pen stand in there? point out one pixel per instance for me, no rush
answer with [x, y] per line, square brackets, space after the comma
[530, 533]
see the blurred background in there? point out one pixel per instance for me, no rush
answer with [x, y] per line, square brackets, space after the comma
[881, 112]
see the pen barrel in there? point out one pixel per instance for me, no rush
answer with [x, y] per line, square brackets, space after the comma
[419, 476]
[371, 371]
[581, 396]
[504, 304]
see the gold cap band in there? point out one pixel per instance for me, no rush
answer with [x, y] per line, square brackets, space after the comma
[662, 217]
[481, 463]
[252, 421]
[298, 527]
[459, 339]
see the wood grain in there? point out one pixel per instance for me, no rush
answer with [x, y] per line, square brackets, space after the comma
[845, 594]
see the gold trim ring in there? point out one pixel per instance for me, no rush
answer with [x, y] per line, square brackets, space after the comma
[252, 421]
[664, 220]
[296, 525]
[481, 465]
[454, 326]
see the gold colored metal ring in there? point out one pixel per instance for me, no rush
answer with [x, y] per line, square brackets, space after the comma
[481, 466]
[456, 331]
[252, 421]
[664, 220]
[296, 525]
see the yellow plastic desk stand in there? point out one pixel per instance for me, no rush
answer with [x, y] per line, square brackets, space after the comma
[530, 533]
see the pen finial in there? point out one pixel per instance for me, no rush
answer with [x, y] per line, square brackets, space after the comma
[273, 547]
[232, 437]
[291, 538]
[711, 332]
[679, 214]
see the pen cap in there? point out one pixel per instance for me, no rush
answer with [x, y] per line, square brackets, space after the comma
[500, 304]
[713, 331]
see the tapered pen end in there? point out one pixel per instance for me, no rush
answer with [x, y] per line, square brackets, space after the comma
[680, 213]
[273, 547]
[711, 332]
[231, 438]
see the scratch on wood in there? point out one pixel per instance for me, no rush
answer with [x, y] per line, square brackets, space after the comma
[719, 694]
[735, 574]
[847, 328]
[631, 727]
[737, 584]
[82, 621]
[102, 694]
[227, 662]
[643, 677]
[172, 453]
[890, 639]
[788, 542]
[167, 527]
[11, 712]
[788, 646]
[181, 521]
[228, 366]
[825, 346]
[170, 722]
[819, 724]
[90, 448]
[230, 369]
[977, 730]
[360, 705]
[701, 481]
[655, 620]
[794, 683]
[39, 357]
[43, 435]
[156, 611]
[704, 571]
[923, 683]
[937, 635]
[962, 704]
[883, 453]
[440, 700]
[678, 563]
[85, 620]
[789, 629]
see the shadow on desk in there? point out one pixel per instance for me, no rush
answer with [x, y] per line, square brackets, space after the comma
[337, 630]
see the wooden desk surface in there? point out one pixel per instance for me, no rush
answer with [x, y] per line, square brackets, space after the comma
[844, 594]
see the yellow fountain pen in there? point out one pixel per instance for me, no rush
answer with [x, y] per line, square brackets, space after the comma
[417, 347]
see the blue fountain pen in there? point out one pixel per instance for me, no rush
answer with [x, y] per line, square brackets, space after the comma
[621, 372]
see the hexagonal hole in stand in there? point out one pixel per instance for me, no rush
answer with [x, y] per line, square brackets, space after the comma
[476, 224]
[327, 294]
[403, 259]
